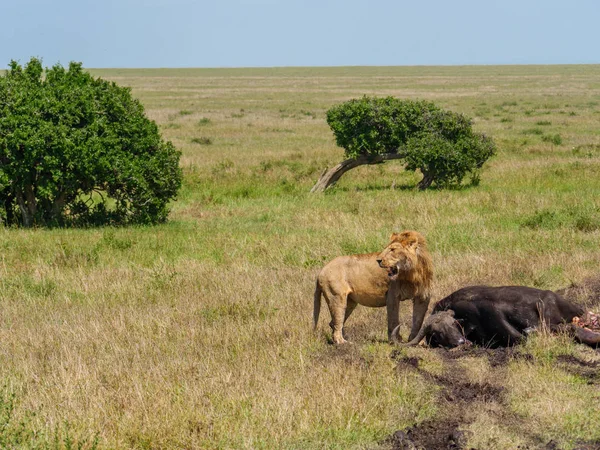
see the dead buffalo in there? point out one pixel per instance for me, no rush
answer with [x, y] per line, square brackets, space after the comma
[499, 316]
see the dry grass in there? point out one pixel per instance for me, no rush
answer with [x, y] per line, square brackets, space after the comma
[197, 333]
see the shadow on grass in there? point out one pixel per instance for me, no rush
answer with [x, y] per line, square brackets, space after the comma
[399, 187]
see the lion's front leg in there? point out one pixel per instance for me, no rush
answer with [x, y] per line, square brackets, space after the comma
[420, 306]
[392, 303]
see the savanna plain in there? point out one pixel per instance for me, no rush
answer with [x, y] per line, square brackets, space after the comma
[198, 333]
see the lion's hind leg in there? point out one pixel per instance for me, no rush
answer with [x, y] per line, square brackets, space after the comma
[337, 303]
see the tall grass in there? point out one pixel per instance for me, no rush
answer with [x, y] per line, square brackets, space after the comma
[197, 333]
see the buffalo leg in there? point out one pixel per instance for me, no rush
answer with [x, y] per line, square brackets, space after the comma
[588, 337]
[513, 336]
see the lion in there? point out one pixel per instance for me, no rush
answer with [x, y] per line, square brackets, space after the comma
[402, 271]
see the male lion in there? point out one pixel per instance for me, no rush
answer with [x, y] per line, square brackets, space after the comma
[402, 271]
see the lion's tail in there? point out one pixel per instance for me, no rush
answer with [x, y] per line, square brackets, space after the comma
[317, 305]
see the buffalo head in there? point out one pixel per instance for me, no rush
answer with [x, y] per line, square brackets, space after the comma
[441, 330]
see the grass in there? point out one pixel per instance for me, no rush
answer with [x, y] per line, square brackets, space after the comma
[201, 140]
[197, 333]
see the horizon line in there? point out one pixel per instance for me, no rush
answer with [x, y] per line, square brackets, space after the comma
[344, 66]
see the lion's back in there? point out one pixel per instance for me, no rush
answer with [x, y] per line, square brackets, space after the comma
[358, 275]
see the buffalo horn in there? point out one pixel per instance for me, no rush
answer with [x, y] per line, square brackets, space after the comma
[421, 334]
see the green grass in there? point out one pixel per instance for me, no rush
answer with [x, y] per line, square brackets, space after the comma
[197, 333]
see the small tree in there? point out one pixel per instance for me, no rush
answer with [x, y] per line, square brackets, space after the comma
[441, 144]
[78, 149]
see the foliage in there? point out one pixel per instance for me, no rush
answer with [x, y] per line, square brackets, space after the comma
[445, 161]
[79, 149]
[440, 143]
[372, 126]
[130, 332]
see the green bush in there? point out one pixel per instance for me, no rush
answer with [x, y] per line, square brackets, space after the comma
[555, 139]
[446, 162]
[441, 144]
[373, 126]
[76, 149]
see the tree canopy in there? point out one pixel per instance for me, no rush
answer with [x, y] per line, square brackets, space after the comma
[75, 149]
[439, 143]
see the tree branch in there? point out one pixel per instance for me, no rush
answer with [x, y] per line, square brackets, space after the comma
[331, 176]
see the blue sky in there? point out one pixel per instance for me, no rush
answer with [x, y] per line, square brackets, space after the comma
[267, 33]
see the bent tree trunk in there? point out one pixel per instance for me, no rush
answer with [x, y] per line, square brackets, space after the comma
[330, 177]
[426, 181]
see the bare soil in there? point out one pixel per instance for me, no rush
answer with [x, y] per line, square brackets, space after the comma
[588, 370]
[498, 357]
[449, 430]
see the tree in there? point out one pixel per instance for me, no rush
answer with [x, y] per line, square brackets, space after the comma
[78, 149]
[441, 144]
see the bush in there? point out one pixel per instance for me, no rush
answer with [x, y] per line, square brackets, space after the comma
[446, 162]
[441, 144]
[373, 126]
[77, 149]
[555, 139]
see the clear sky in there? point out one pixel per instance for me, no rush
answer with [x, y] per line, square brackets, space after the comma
[267, 33]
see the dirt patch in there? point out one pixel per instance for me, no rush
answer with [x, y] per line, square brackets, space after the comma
[497, 357]
[585, 293]
[587, 370]
[456, 395]
[590, 445]
[570, 359]
[409, 362]
[430, 435]
[455, 388]
[470, 392]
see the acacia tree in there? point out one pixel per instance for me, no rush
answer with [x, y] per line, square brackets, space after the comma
[79, 149]
[441, 144]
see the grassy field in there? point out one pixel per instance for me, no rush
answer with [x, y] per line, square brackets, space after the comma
[197, 333]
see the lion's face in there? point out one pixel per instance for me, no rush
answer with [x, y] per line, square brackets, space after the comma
[401, 254]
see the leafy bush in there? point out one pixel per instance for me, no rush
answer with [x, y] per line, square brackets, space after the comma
[446, 162]
[78, 149]
[441, 144]
[373, 126]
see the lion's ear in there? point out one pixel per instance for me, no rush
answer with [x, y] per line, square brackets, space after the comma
[395, 237]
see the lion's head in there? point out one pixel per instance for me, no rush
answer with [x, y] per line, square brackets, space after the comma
[406, 258]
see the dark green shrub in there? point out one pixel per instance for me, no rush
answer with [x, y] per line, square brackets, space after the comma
[440, 143]
[77, 149]
[446, 162]
[555, 139]
[202, 140]
[373, 126]
[544, 219]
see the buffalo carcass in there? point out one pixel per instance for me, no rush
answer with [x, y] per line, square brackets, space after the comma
[500, 316]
